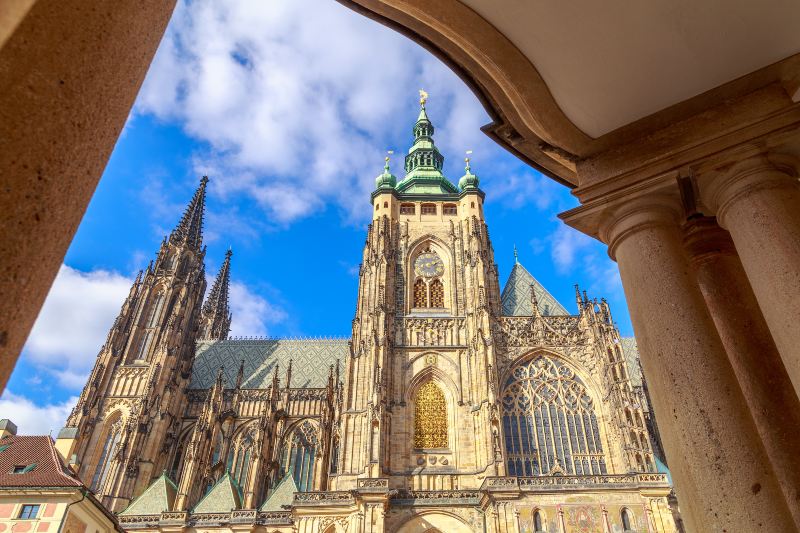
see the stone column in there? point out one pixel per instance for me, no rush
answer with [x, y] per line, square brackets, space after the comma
[767, 388]
[758, 202]
[69, 73]
[719, 465]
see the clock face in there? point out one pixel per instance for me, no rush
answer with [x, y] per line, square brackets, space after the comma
[429, 265]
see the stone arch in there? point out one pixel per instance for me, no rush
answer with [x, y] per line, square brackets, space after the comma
[432, 521]
[443, 251]
[178, 455]
[450, 391]
[542, 389]
[298, 453]
[108, 441]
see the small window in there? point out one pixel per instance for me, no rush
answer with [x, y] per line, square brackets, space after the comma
[406, 209]
[472, 205]
[449, 209]
[23, 469]
[385, 204]
[29, 512]
[537, 522]
[626, 520]
[376, 207]
[428, 209]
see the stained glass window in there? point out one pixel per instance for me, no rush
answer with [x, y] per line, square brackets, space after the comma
[420, 293]
[430, 417]
[437, 293]
[549, 422]
[106, 457]
[298, 454]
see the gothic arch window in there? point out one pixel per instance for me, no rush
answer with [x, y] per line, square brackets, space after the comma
[298, 455]
[549, 421]
[150, 325]
[216, 450]
[437, 293]
[109, 449]
[430, 417]
[639, 420]
[610, 356]
[334, 462]
[628, 416]
[429, 282]
[239, 457]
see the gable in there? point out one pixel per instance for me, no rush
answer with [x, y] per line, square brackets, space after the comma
[516, 297]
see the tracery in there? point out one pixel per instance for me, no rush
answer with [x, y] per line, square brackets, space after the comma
[430, 417]
[298, 455]
[549, 422]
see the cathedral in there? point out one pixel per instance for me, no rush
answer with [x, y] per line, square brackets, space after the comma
[454, 406]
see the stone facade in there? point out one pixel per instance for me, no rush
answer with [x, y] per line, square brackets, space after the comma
[453, 406]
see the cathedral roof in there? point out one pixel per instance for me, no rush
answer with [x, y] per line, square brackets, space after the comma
[311, 361]
[156, 499]
[282, 496]
[223, 497]
[516, 297]
[631, 352]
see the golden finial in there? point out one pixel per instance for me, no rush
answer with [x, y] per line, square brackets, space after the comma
[423, 97]
[388, 153]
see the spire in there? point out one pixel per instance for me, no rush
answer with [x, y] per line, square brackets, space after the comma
[216, 315]
[516, 256]
[190, 228]
[423, 164]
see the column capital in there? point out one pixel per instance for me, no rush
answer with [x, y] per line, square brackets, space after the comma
[638, 214]
[703, 239]
[720, 189]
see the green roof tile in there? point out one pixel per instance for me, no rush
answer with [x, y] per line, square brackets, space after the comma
[156, 499]
[223, 497]
[516, 297]
[282, 496]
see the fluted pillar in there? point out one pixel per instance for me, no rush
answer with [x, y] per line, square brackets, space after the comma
[758, 202]
[719, 465]
[756, 362]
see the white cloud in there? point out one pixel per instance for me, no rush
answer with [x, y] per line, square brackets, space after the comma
[252, 313]
[74, 322]
[32, 419]
[566, 246]
[297, 110]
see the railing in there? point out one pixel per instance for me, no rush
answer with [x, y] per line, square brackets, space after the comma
[549, 482]
[241, 516]
[435, 497]
[431, 331]
[323, 498]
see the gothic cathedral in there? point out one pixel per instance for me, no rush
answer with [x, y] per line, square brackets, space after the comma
[454, 407]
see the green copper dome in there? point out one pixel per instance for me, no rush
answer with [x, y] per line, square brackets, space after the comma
[423, 164]
[468, 181]
[387, 179]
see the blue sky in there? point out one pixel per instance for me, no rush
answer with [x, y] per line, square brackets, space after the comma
[290, 115]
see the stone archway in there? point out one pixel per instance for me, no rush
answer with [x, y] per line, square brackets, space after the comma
[434, 522]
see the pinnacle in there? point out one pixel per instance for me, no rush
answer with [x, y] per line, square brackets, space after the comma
[216, 311]
[190, 228]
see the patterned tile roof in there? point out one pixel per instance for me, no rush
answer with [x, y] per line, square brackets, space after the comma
[516, 297]
[631, 352]
[157, 498]
[38, 454]
[311, 361]
[223, 497]
[282, 496]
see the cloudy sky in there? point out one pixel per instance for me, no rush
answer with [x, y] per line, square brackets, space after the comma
[289, 107]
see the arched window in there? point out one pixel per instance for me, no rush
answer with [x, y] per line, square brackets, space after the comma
[420, 293]
[106, 457]
[334, 465]
[298, 454]
[437, 293]
[639, 463]
[610, 356]
[628, 416]
[639, 419]
[626, 520]
[538, 526]
[150, 326]
[239, 458]
[430, 417]
[216, 451]
[549, 422]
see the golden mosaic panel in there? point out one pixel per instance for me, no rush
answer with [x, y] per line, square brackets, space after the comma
[430, 417]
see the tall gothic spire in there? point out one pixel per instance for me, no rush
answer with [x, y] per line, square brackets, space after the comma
[424, 162]
[216, 317]
[190, 228]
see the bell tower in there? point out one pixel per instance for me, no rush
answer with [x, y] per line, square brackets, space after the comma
[127, 416]
[419, 399]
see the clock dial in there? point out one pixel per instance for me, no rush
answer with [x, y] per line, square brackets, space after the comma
[429, 265]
